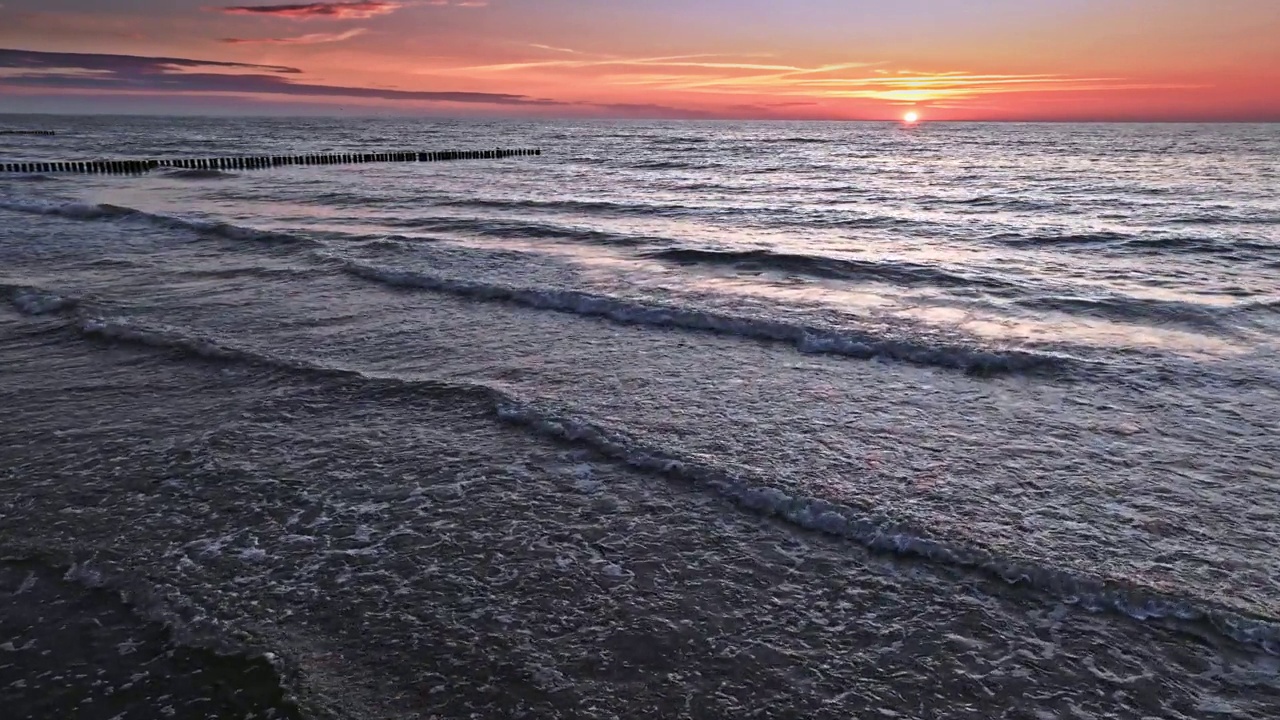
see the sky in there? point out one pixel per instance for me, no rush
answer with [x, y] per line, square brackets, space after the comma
[1140, 60]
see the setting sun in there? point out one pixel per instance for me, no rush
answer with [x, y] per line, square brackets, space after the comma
[911, 118]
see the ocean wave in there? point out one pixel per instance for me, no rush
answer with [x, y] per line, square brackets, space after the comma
[518, 229]
[1218, 219]
[389, 244]
[106, 211]
[1262, 306]
[1240, 248]
[670, 165]
[36, 301]
[881, 534]
[1096, 238]
[31, 178]
[198, 174]
[679, 140]
[900, 273]
[86, 593]
[1204, 246]
[1127, 308]
[583, 207]
[991, 201]
[121, 329]
[805, 339]
[783, 216]
[125, 331]
[874, 532]
[253, 271]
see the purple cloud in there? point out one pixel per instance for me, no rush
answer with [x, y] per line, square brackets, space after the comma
[320, 10]
[76, 71]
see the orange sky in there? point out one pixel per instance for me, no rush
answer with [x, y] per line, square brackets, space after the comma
[806, 59]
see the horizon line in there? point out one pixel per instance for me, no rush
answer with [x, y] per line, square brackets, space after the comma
[517, 118]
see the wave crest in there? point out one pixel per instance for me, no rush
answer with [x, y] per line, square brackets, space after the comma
[876, 533]
[803, 338]
[908, 274]
[1132, 309]
[581, 207]
[106, 211]
[882, 535]
[36, 301]
[522, 230]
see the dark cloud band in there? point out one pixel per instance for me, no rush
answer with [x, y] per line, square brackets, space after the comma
[134, 74]
[318, 10]
[75, 71]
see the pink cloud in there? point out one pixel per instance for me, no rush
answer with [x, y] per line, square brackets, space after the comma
[346, 10]
[309, 39]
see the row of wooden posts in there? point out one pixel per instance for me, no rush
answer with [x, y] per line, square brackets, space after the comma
[27, 132]
[137, 167]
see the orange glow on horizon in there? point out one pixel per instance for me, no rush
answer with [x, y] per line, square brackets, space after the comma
[911, 118]
[820, 60]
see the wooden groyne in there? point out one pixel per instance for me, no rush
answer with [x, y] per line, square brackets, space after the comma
[28, 132]
[259, 162]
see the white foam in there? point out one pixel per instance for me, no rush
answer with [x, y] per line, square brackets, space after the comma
[120, 329]
[811, 513]
[253, 554]
[881, 535]
[35, 302]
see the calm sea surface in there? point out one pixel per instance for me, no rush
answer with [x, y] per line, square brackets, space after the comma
[675, 420]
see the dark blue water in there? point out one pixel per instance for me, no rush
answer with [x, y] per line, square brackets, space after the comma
[1006, 394]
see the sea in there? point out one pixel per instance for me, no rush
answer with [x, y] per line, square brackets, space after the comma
[674, 420]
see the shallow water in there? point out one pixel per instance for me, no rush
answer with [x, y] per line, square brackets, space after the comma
[714, 417]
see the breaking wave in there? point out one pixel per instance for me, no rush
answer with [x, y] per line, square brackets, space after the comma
[804, 338]
[35, 301]
[107, 327]
[874, 532]
[150, 628]
[882, 535]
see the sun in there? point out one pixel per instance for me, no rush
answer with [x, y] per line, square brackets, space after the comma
[911, 118]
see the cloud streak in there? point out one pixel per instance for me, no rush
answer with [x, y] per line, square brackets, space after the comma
[359, 10]
[747, 75]
[347, 10]
[133, 64]
[904, 86]
[309, 39]
[704, 60]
